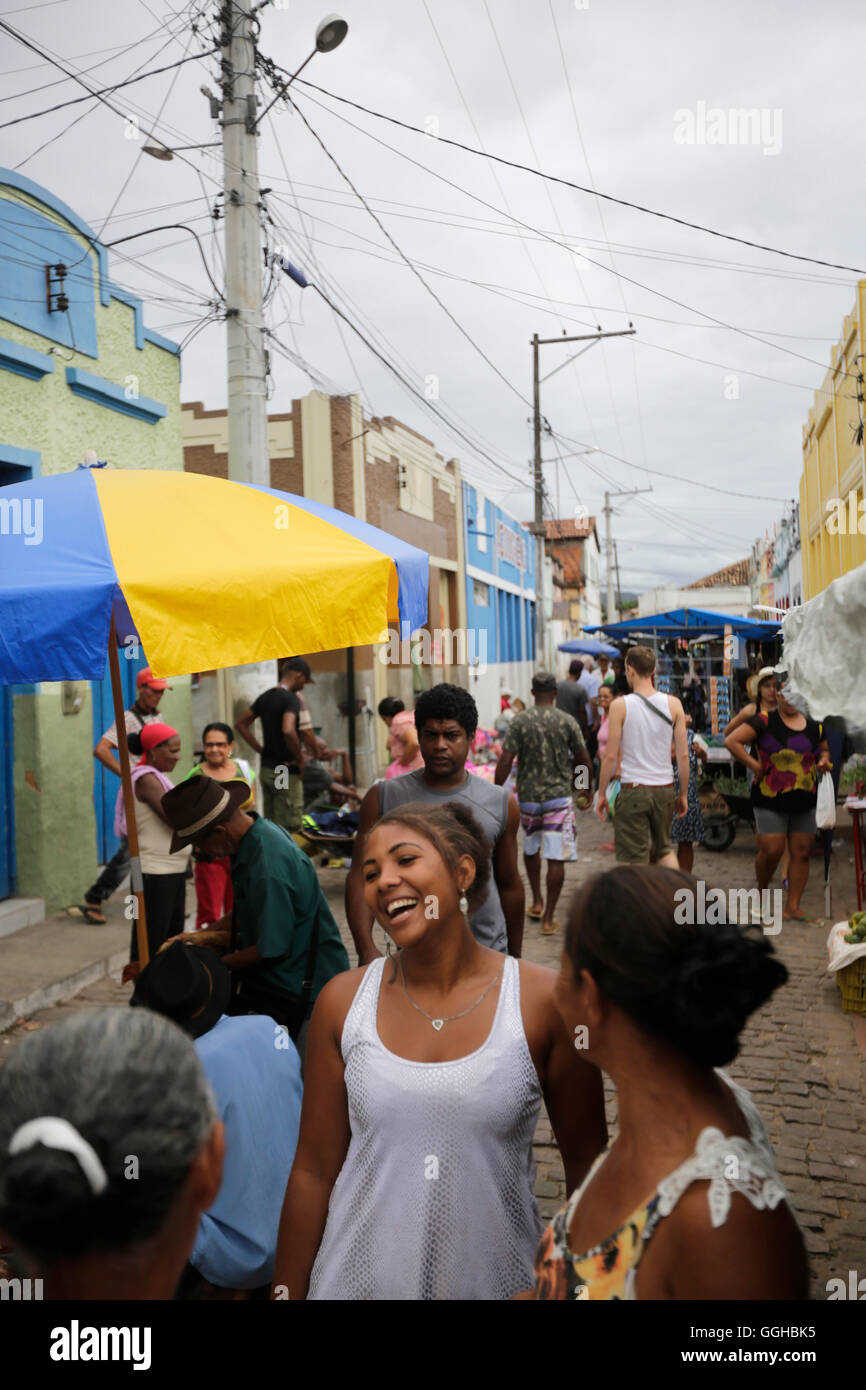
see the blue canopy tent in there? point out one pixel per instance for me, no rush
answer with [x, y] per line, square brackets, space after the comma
[589, 646]
[682, 622]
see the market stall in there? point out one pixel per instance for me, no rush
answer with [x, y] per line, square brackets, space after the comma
[702, 657]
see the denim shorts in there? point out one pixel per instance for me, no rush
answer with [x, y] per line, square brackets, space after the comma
[769, 821]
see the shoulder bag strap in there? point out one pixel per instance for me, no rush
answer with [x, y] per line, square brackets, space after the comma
[654, 708]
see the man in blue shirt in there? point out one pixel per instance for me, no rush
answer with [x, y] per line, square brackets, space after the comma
[254, 1071]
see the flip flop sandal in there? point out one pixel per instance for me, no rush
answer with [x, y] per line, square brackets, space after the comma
[552, 930]
[88, 913]
[811, 921]
[535, 913]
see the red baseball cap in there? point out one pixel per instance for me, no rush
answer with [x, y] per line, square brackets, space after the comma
[146, 677]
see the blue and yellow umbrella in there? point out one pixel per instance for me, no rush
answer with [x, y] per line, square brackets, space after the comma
[208, 573]
[205, 573]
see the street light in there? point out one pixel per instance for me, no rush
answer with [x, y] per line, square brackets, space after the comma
[329, 35]
[160, 151]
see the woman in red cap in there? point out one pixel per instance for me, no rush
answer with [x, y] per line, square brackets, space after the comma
[164, 873]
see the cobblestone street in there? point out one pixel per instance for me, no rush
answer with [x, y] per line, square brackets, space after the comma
[803, 1059]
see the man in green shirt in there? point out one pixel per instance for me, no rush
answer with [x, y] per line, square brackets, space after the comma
[552, 762]
[278, 897]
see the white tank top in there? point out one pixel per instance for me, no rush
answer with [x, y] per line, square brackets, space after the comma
[646, 742]
[435, 1197]
[154, 843]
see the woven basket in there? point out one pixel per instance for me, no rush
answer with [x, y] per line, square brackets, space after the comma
[852, 982]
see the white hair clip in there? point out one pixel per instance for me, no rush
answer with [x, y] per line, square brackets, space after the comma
[57, 1133]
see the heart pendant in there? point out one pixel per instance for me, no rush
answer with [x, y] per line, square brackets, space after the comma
[437, 1023]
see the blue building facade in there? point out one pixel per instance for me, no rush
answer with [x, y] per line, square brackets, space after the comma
[500, 602]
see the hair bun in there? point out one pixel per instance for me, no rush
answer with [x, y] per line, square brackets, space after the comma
[723, 976]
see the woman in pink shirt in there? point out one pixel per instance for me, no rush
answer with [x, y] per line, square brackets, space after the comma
[402, 738]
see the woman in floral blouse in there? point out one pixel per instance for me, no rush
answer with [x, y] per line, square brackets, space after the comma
[792, 754]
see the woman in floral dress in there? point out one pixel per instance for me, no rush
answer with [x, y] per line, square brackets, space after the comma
[792, 754]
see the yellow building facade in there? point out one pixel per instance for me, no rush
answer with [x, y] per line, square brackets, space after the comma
[833, 482]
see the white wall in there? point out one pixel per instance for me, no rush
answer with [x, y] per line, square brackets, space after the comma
[735, 599]
[485, 687]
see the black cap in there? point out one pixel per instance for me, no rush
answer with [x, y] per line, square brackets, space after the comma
[188, 984]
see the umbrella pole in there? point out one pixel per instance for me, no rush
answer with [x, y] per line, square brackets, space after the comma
[128, 798]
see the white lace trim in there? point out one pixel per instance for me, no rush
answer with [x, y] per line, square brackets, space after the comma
[731, 1164]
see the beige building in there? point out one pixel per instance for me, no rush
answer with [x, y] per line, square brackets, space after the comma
[384, 473]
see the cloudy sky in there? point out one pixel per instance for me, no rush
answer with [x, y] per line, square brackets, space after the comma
[626, 98]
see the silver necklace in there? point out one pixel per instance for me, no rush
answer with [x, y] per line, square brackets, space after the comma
[437, 1022]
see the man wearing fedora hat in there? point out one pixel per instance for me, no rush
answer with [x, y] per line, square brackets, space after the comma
[288, 944]
[255, 1074]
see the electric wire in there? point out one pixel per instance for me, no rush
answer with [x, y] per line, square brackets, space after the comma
[406, 260]
[778, 347]
[100, 94]
[580, 188]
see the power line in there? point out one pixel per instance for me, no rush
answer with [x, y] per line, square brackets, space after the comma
[553, 240]
[118, 49]
[414, 391]
[673, 477]
[99, 94]
[511, 292]
[560, 227]
[499, 227]
[580, 188]
[442, 305]
[341, 295]
[59, 136]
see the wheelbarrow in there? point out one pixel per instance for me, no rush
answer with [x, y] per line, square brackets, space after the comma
[720, 812]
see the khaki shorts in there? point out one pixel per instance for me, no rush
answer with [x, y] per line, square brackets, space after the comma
[284, 805]
[642, 822]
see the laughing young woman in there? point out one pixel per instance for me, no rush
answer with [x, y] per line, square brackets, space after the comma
[413, 1177]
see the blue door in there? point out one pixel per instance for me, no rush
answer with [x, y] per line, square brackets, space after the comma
[105, 784]
[17, 465]
[7, 818]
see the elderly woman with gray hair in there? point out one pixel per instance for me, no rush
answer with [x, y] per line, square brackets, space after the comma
[110, 1150]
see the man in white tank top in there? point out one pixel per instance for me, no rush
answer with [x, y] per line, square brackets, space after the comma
[641, 725]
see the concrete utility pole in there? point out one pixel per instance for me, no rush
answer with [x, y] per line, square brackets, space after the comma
[608, 540]
[538, 487]
[537, 476]
[249, 460]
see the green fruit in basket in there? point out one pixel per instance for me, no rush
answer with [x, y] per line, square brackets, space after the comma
[849, 936]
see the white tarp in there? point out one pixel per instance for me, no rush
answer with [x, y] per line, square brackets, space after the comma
[824, 650]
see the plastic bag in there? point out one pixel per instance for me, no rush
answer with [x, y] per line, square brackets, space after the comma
[825, 811]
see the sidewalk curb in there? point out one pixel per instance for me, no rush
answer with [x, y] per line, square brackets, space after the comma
[60, 990]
